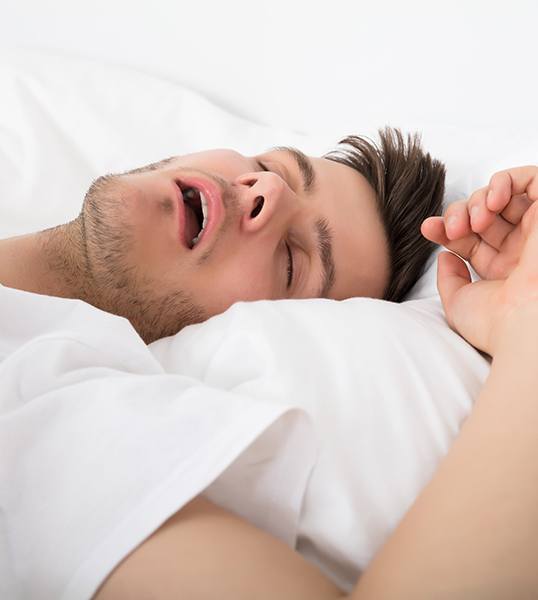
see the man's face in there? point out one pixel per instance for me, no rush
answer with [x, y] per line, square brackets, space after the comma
[305, 228]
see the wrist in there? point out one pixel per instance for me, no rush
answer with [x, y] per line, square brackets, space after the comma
[518, 326]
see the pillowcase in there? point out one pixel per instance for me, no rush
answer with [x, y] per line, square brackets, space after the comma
[387, 386]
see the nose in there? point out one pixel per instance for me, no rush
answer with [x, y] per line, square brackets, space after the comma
[266, 201]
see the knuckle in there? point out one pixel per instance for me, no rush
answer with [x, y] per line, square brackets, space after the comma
[449, 212]
[459, 207]
[477, 196]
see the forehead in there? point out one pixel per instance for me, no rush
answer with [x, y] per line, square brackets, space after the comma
[360, 243]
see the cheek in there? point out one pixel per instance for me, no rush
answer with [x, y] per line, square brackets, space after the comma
[219, 288]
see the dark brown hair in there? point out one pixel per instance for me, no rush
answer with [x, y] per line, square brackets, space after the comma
[409, 186]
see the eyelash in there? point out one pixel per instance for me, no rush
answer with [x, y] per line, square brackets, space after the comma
[290, 265]
[263, 167]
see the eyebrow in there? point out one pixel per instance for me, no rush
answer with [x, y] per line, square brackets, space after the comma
[325, 252]
[322, 230]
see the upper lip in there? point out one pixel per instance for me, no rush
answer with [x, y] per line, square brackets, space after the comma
[215, 207]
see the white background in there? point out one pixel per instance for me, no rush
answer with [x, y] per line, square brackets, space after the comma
[464, 73]
[311, 66]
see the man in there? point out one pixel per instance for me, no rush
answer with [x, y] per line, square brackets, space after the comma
[165, 246]
[176, 242]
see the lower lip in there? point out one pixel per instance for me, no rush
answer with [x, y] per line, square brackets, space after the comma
[214, 207]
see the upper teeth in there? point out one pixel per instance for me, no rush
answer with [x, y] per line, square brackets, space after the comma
[190, 193]
[203, 202]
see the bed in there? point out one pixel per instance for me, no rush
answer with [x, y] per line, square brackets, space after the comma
[366, 395]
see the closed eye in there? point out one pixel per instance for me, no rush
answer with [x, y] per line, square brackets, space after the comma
[290, 265]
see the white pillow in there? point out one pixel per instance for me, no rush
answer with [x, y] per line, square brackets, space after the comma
[386, 384]
[65, 121]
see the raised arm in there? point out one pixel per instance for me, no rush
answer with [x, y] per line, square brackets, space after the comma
[473, 532]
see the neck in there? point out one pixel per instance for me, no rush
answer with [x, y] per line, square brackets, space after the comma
[51, 262]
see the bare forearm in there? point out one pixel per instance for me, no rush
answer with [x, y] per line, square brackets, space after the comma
[473, 532]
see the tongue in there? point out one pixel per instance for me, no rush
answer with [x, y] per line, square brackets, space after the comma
[192, 229]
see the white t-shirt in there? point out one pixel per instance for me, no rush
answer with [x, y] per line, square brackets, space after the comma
[318, 421]
[99, 446]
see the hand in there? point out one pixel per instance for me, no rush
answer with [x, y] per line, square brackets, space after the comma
[486, 229]
[482, 312]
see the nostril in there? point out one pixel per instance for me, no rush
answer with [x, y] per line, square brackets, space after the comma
[258, 205]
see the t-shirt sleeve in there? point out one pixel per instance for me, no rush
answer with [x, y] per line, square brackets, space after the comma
[97, 450]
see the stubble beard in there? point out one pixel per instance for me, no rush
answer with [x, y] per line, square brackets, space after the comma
[112, 283]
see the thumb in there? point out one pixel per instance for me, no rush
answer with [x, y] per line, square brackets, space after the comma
[452, 275]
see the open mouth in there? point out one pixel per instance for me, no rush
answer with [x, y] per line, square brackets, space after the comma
[196, 212]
